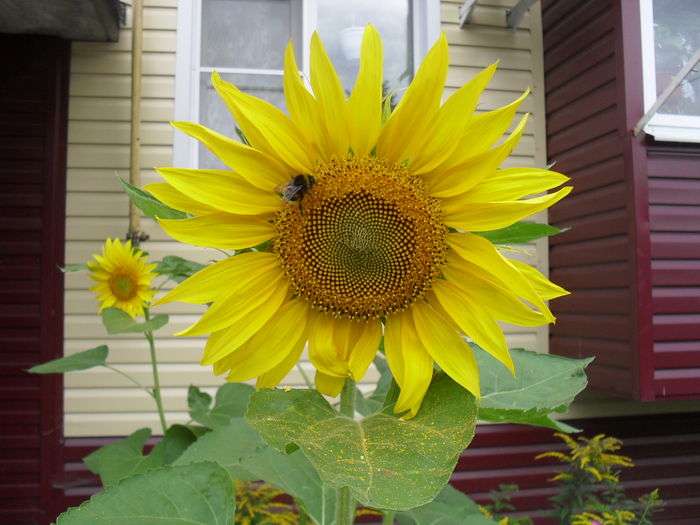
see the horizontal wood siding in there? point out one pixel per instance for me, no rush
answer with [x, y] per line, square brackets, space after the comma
[100, 402]
[592, 259]
[665, 450]
[674, 207]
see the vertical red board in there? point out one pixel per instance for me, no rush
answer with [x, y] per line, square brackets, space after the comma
[33, 121]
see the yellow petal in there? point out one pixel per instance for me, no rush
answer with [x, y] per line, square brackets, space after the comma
[329, 385]
[411, 365]
[275, 375]
[446, 346]
[248, 296]
[301, 105]
[244, 326]
[482, 289]
[514, 183]
[365, 103]
[265, 126]
[220, 230]
[327, 350]
[418, 106]
[472, 171]
[544, 287]
[474, 321]
[364, 340]
[450, 122]
[272, 344]
[330, 97]
[482, 132]
[479, 252]
[223, 190]
[221, 278]
[254, 166]
[463, 214]
[168, 195]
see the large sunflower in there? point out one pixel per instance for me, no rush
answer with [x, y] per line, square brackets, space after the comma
[122, 276]
[370, 224]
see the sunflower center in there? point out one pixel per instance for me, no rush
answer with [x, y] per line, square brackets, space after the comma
[123, 287]
[364, 241]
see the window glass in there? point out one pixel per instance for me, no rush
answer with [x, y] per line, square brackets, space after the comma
[248, 33]
[676, 38]
[340, 25]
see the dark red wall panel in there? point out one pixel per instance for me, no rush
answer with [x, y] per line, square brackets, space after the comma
[33, 118]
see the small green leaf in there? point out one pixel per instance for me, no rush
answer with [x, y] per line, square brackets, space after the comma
[231, 401]
[81, 361]
[386, 461]
[449, 507]
[543, 384]
[124, 458]
[198, 494]
[520, 233]
[177, 439]
[74, 268]
[177, 268]
[149, 205]
[240, 450]
[117, 321]
[375, 401]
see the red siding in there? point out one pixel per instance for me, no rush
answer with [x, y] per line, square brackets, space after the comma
[33, 95]
[584, 137]
[666, 450]
[674, 203]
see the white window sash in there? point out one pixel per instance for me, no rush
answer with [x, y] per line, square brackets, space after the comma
[426, 29]
[662, 126]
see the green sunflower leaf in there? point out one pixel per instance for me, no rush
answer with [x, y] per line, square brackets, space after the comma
[374, 402]
[125, 458]
[450, 506]
[177, 268]
[197, 494]
[543, 384]
[387, 462]
[79, 267]
[81, 361]
[520, 233]
[242, 452]
[231, 401]
[117, 321]
[149, 205]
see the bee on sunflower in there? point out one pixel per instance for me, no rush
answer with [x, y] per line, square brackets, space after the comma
[123, 277]
[380, 243]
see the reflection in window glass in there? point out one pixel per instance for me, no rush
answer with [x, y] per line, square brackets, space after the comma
[248, 33]
[676, 38]
[214, 114]
[340, 25]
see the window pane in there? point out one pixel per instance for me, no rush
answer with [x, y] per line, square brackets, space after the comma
[248, 33]
[341, 24]
[676, 38]
[214, 114]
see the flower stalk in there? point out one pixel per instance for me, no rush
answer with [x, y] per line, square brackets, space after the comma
[345, 507]
[154, 369]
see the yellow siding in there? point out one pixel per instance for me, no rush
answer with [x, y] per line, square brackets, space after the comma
[100, 402]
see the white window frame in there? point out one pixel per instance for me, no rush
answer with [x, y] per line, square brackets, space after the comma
[662, 126]
[426, 29]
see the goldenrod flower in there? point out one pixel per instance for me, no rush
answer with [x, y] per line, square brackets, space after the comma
[122, 277]
[370, 224]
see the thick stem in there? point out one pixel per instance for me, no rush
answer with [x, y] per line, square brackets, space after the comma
[345, 507]
[154, 368]
[388, 517]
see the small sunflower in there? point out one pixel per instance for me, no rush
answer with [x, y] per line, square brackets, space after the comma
[122, 277]
[369, 224]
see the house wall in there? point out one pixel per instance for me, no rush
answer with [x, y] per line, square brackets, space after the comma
[99, 402]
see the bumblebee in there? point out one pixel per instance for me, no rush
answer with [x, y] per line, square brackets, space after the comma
[295, 189]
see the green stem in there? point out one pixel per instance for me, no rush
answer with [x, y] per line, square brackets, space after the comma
[154, 368]
[304, 376]
[345, 507]
[134, 381]
[388, 517]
